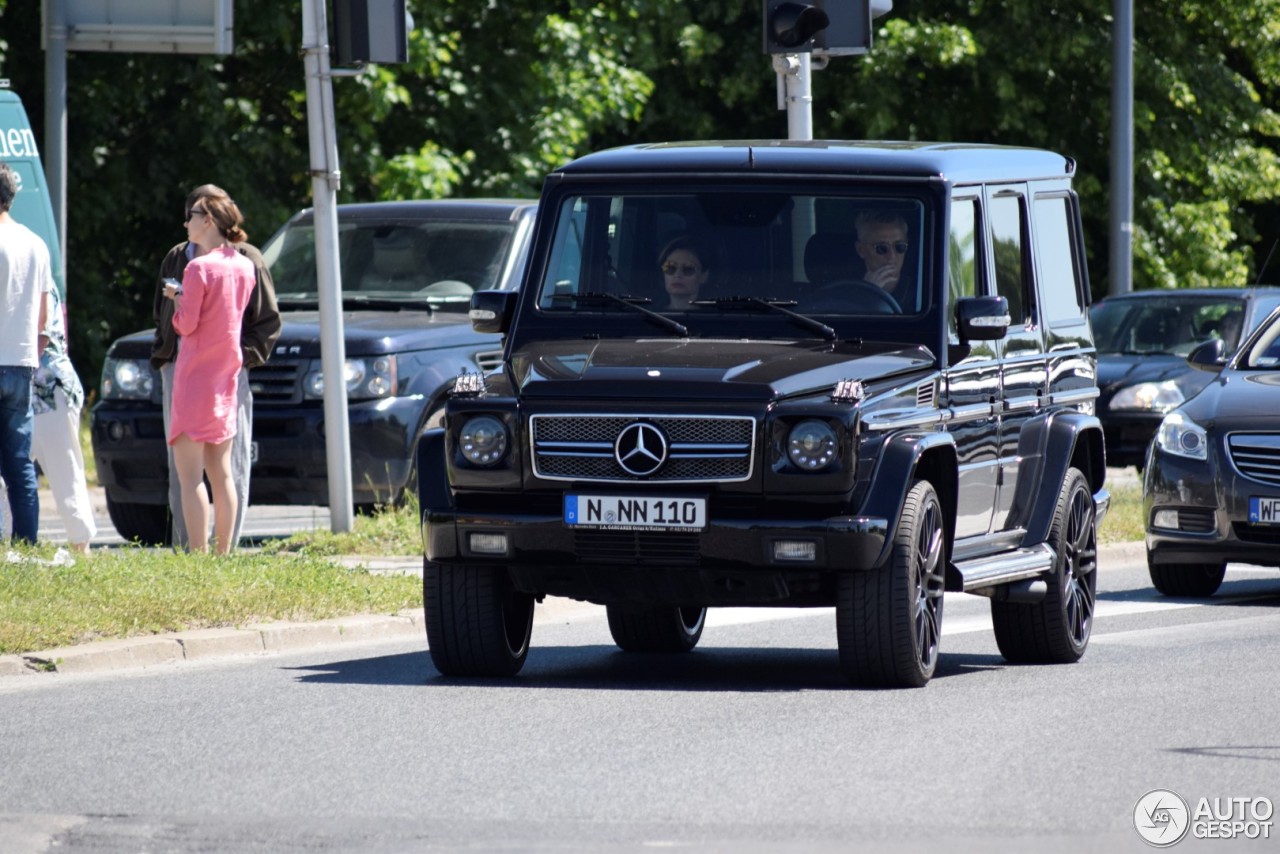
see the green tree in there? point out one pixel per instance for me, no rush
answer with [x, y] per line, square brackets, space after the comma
[495, 95]
[1038, 74]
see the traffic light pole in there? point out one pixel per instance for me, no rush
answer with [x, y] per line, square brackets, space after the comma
[795, 92]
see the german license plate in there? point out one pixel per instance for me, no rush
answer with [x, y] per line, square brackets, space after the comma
[253, 452]
[634, 513]
[1264, 511]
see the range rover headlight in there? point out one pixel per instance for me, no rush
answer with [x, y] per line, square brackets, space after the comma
[1182, 437]
[127, 379]
[483, 440]
[1149, 397]
[367, 378]
[812, 445]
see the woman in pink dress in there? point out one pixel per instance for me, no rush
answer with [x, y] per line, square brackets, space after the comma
[207, 316]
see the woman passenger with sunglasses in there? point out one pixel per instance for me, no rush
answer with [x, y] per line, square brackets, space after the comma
[882, 246]
[684, 271]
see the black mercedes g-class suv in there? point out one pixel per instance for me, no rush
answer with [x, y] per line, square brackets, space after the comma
[796, 435]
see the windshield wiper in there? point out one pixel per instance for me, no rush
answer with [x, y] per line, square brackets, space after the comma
[775, 305]
[636, 304]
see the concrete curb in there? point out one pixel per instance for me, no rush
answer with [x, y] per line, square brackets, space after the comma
[281, 637]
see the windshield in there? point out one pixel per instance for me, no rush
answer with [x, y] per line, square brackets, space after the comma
[715, 251]
[1265, 352]
[1170, 326]
[441, 262]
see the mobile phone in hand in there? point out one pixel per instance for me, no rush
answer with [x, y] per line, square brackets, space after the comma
[175, 284]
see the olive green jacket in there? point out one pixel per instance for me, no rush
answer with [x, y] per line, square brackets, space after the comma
[259, 328]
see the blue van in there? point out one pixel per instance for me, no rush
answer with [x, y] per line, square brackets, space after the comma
[32, 206]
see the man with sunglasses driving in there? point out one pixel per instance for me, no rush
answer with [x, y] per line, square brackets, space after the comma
[882, 246]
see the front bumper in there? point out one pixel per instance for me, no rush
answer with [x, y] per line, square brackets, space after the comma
[291, 468]
[730, 561]
[1211, 502]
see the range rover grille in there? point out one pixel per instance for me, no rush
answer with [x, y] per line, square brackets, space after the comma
[1256, 456]
[699, 448]
[276, 381]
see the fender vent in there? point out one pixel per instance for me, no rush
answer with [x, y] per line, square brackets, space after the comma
[925, 395]
[488, 360]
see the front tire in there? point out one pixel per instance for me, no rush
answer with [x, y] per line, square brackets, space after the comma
[147, 524]
[478, 624]
[1196, 580]
[656, 629]
[889, 621]
[1057, 630]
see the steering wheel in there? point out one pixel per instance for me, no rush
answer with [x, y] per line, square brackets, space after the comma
[473, 276]
[853, 296]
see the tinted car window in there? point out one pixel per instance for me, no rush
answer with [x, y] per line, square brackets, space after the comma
[443, 261]
[776, 246]
[1059, 295]
[1006, 227]
[1172, 326]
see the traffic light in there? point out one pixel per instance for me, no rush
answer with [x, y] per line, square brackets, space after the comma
[371, 31]
[832, 27]
[789, 27]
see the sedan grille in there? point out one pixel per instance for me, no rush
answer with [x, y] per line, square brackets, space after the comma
[1256, 456]
[698, 448]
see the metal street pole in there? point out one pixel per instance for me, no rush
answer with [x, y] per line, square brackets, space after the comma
[325, 178]
[795, 71]
[55, 119]
[1122, 147]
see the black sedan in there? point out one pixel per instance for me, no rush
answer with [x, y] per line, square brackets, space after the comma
[1143, 339]
[1211, 491]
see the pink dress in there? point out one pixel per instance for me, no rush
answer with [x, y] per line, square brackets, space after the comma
[215, 290]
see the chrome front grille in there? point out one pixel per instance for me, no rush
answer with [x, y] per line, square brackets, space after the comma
[277, 381]
[1256, 456]
[700, 448]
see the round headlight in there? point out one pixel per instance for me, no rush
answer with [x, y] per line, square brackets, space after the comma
[133, 378]
[355, 371]
[483, 440]
[812, 445]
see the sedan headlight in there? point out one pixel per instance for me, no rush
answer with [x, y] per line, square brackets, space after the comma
[127, 379]
[367, 378]
[1149, 397]
[812, 445]
[1182, 437]
[483, 440]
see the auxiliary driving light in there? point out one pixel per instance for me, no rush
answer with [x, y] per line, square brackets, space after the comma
[487, 544]
[795, 550]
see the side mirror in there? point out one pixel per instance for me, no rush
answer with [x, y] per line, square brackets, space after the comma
[1209, 356]
[982, 318]
[491, 311]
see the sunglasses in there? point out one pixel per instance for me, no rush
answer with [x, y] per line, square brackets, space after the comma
[194, 212]
[671, 268]
[899, 247]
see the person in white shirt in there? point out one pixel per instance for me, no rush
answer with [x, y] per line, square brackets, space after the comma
[26, 278]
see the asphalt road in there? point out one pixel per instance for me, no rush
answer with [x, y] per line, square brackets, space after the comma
[750, 743]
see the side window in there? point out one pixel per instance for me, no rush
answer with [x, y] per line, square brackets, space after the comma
[962, 277]
[1008, 239]
[1059, 281]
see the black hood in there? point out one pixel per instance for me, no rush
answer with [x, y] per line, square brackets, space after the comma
[1237, 400]
[700, 369]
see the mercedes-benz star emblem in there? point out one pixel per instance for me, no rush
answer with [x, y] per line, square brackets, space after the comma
[641, 449]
